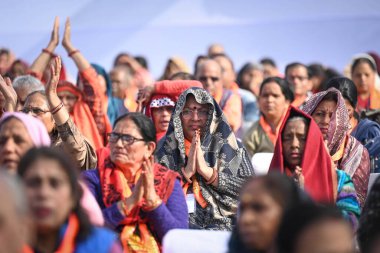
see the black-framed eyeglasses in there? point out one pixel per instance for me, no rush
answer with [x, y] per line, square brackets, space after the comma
[125, 138]
[34, 110]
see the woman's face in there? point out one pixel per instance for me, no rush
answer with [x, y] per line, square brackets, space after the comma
[323, 114]
[68, 99]
[252, 79]
[259, 216]
[37, 106]
[272, 102]
[351, 110]
[49, 193]
[161, 117]
[193, 117]
[126, 155]
[363, 77]
[293, 142]
[326, 237]
[15, 141]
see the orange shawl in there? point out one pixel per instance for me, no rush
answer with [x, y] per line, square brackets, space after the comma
[268, 129]
[82, 116]
[136, 236]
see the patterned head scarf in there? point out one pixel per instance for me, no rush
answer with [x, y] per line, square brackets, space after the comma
[221, 150]
[339, 124]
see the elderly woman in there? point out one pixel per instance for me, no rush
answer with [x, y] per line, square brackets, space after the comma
[274, 98]
[19, 133]
[53, 193]
[161, 104]
[364, 74]
[329, 111]
[301, 153]
[139, 198]
[213, 164]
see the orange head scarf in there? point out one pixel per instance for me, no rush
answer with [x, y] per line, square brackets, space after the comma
[82, 116]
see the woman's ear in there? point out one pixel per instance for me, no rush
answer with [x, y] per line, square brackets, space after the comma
[151, 148]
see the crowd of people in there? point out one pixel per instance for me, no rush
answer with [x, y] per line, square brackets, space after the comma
[115, 160]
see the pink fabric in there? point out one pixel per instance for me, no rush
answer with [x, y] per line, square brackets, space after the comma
[91, 207]
[36, 129]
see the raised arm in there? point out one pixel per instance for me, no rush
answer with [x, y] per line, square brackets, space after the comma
[9, 94]
[43, 59]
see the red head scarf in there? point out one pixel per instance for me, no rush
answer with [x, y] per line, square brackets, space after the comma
[82, 116]
[316, 162]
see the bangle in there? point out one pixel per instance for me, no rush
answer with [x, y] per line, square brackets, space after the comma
[73, 52]
[47, 51]
[152, 205]
[213, 177]
[57, 108]
[184, 175]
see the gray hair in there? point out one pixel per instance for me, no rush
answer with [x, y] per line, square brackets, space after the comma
[295, 118]
[12, 185]
[29, 82]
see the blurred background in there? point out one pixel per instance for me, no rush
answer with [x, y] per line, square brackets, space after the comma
[325, 31]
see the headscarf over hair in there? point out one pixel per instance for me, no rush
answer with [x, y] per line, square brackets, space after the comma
[221, 150]
[36, 129]
[116, 106]
[82, 115]
[372, 60]
[339, 123]
[347, 152]
[316, 162]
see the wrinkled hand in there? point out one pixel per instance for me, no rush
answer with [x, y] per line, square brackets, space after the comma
[51, 86]
[137, 193]
[147, 175]
[201, 164]
[298, 177]
[54, 39]
[66, 41]
[9, 93]
[145, 94]
[191, 166]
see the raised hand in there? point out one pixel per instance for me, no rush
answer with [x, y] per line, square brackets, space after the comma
[66, 41]
[151, 199]
[54, 39]
[145, 94]
[9, 94]
[51, 85]
[298, 177]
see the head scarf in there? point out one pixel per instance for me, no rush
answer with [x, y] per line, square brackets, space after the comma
[179, 62]
[221, 150]
[36, 129]
[316, 162]
[370, 58]
[339, 124]
[82, 115]
[116, 106]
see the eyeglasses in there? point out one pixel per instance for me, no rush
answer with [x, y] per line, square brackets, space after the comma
[125, 138]
[205, 78]
[35, 111]
[201, 113]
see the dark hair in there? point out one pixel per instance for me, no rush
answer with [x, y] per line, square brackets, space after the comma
[297, 64]
[363, 60]
[197, 61]
[117, 58]
[346, 87]
[71, 171]
[369, 223]
[284, 85]
[331, 96]
[282, 189]
[268, 61]
[299, 218]
[182, 76]
[316, 69]
[142, 60]
[143, 123]
[246, 67]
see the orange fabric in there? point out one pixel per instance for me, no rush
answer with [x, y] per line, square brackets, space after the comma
[372, 102]
[97, 101]
[233, 111]
[195, 184]
[268, 129]
[340, 152]
[82, 116]
[298, 101]
[136, 235]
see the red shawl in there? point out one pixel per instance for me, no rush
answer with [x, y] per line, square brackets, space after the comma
[82, 116]
[316, 162]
